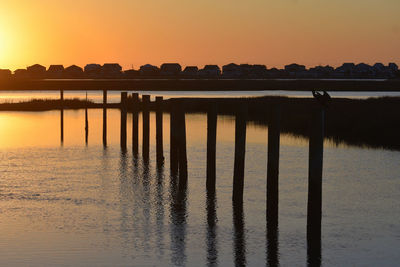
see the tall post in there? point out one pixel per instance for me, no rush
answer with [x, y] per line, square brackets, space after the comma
[123, 108]
[159, 130]
[314, 205]
[211, 146]
[62, 115]
[240, 149]
[104, 118]
[273, 185]
[135, 123]
[273, 164]
[86, 121]
[173, 138]
[182, 153]
[146, 127]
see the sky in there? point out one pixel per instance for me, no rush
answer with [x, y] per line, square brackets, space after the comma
[137, 32]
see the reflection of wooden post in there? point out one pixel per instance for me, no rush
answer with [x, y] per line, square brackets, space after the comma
[123, 108]
[181, 129]
[173, 138]
[62, 114]
[135, 123]
[104, 118]
[240, 149]
[314, 207]
[211, 145]
[239, 235]
[146, 126]
[273, 164]
[159, 130]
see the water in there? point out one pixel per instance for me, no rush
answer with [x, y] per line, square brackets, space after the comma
[115, 96]
[78, 205]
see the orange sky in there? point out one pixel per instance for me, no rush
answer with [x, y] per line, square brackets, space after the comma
[133, 32]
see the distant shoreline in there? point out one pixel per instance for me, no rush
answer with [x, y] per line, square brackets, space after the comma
[202, 85]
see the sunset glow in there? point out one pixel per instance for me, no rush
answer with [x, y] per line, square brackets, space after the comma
[133, 33]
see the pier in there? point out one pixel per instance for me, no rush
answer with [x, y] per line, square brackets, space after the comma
[179, 165]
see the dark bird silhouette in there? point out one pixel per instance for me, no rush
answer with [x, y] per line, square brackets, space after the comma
[323, 99]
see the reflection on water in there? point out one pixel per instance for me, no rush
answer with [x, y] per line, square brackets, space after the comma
[87, 206]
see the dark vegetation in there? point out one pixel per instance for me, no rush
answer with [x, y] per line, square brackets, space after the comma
[373, 122]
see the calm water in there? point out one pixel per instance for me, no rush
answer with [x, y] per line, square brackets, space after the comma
[78, 205]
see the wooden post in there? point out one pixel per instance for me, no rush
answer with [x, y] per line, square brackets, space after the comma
[135, 123]
[240, 149]
[86, 122]
[104, 118]
[123, 108]
[146, 127]
[211, 146]
[173, 139]
[182, 154]
[159, 131]
[314, 205]
[273, 164]
[62, 115]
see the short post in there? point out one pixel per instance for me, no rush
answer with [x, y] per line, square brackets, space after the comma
[146, 126]
[211, 146]
[173, 138]
[62, 115]
[159, 130]
[240, 149]
[314, 205]
[273, 164]
[182, 153]
[104, 118]
[123, 108]
[135, 123]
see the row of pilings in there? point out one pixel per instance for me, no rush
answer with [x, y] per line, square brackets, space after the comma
[178, 153]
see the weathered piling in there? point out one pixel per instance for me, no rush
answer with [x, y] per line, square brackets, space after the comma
[123, 109]
[86, 122]
[314, 205]
[240, 149]
[211, 146]
[182, 153]
[159, 130]
[273, 163]
[173, 139]
[62, 115]
[146, 126]
[135, 123]
[104, 118]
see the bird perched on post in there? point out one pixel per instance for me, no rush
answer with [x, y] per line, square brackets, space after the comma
[323, 99]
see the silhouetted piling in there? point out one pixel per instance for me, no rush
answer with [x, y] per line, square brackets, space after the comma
[146, 126]
[62, 115]
[211, 241]
[123, 108]
[273, 163]
[104, 118]
[211, 145]
[159, 130]
[240, 149]
[173, 139]
[182, 154]
[314, 206]
[86, 122]
[135, 123]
